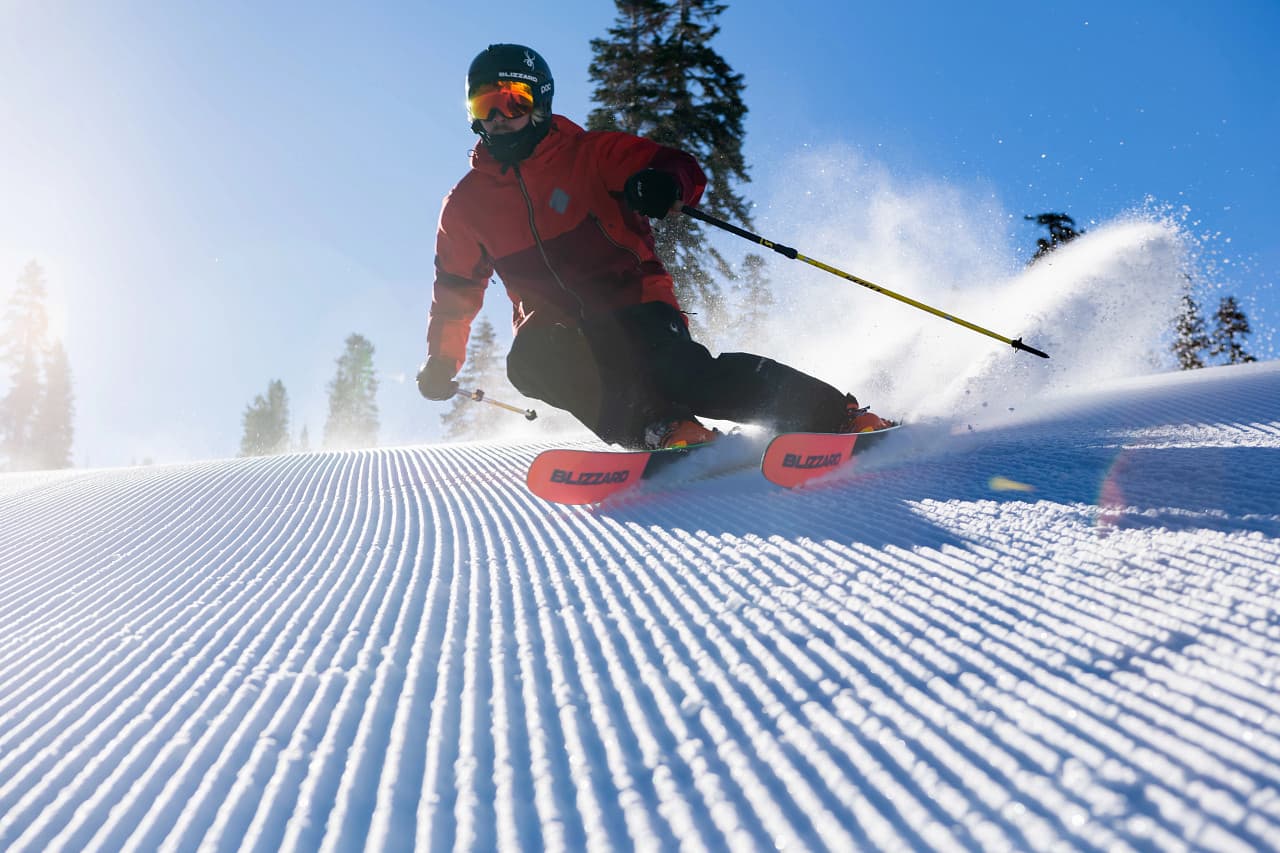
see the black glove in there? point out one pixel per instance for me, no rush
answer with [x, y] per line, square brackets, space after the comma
[652, 192]
[435, 378]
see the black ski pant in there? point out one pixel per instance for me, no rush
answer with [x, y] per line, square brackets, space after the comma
[621, 372]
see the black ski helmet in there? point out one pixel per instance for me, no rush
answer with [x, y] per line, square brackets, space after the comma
[513, 62]
[499, 62]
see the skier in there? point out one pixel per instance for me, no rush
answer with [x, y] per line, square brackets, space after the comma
[559, 213]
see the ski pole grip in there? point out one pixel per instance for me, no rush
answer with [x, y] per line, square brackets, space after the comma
[785, 251]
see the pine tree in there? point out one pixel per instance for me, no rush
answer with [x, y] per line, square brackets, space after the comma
[657, 76]
[1190, 340]
[1231, 328]
[304, 441]
[755, 298]
[353, 403]
[1062, 229]
[266, 422]
[627, 86]
[53, 430]
[25, 328]
[482, 369]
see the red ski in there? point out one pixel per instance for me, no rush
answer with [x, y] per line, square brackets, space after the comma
[575, 477]
[794, 458]
[589, 476]
[585, 476]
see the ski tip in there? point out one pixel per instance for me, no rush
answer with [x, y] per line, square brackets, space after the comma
[578, 477]
[793, 459]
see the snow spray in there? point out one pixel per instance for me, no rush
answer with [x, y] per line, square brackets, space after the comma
[1102, 305]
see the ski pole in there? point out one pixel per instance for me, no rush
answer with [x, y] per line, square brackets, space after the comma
[791, 253]
[479, 397]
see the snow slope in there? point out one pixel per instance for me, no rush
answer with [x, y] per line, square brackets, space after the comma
[1052, 627]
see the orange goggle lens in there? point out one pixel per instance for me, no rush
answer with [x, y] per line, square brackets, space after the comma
[509, 97]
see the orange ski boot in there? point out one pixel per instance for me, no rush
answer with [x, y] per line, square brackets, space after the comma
[680, 432]
[862, 419]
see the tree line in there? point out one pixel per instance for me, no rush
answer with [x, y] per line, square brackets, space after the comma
[38, 406]
[1194, 344]
[353, 409]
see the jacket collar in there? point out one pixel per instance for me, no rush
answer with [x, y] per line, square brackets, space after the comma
[562, 132]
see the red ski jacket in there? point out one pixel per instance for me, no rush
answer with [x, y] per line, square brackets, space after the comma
[556, 230]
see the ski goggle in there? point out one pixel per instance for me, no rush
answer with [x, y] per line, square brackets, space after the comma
[511, 98]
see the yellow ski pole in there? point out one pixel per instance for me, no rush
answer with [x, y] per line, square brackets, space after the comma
[789, 252]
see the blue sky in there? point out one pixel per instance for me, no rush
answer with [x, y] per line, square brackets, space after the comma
[220, 193]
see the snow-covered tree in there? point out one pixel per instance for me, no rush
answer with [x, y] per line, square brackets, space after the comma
[353, 398]
[266, 422]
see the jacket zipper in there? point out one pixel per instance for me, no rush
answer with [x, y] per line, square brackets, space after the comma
[609, 237]
[537, 239]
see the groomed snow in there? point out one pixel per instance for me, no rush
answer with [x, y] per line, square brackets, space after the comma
[1057, 627]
